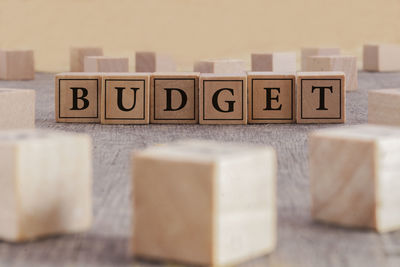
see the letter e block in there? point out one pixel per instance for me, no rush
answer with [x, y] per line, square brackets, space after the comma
[17, 65]
[17, 108]
[204, 203]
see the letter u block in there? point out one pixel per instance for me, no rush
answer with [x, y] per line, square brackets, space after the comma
[223, 99]
[204, 202]
[77, 97]
[174, 97]
[125, 98]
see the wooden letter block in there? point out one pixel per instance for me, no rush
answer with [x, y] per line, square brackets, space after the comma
[204, 202]
[220, 66]
[346, 64]
[17, 108]
[77, 97]
[354, 175]
[46, 184]
[106, 64]
[174, 97]
[384, 107]
[78, 54]
[223, 99]
[152, 62]
[17, 65]
[321, 97]
[125, 98]
[384, 57]
[271, 97]
[277, 62]
[315, 51]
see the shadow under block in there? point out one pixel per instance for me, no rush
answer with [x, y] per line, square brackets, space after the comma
[346, 64]
[78, 54]
[77, 97]
[46, 184]
[223, 99]
[354, 175]
[17, 65]
[106, 64]
[321, 97]
[154, 62]
[317, 51]
[277, 62]
[17, 108]
[384, 57]
[174, 97]
[220, 66]
[204, 202]
[384, 107]
[125, 98]
[271, 97]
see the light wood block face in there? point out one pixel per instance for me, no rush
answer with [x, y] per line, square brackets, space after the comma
[17, 65]
[220, 66]
[46, 182]
[321, 97]
[277, 62]
[77, 97]
[218, 202]
[106, 64]
[125, 98]
[384, 107]
[78, 54]
[354, 176]
[271, 97]
[174, 97]
[154, 62]
[223, 99]
[346, 64]
[384, 57]
[317, 51]
[17, 108]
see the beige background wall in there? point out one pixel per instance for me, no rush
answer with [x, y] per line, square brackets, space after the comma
[193, 29]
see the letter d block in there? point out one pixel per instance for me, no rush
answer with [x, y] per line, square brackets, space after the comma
[205, 203]
[174, 97]
[223, 99]
[125, 98]
[321, 97]
[77, 97]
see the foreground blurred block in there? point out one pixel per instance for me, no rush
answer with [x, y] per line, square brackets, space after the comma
[384, 107]
[220, 66]
[152, 62]
[106, 64]
[46, 180]
[17, 108]
[354, 176]
[384, 57]
[317, 51]
[17, 65]
[276, 62]
[78, 54]
[204, 202]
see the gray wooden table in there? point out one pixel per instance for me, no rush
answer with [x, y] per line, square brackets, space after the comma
[301, 242]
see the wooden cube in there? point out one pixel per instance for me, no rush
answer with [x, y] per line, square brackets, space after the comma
[223, 99]
[277, 62]
[17, 108]
[321, 97]
[354, 176]
[77, 97]
[17, 65]
[204, 202]
[384, 107]
[317, 51]
[220, 66]
[383, 57]
[125, 98]
[271, 97]
[152, 62]
[346, 64]
[46, 184]
[106, 64]
[174, 97]
[78, 54]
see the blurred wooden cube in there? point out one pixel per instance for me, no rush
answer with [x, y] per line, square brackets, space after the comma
[78, 54]
[383, 57]
[276, 62]
[384, 107]
[317, 51]
[106, 64]
[152, 62]
[17, 65]
[220, 66]
[17, 108]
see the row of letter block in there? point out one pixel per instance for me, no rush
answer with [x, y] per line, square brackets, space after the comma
[255, 97]
[17, 65]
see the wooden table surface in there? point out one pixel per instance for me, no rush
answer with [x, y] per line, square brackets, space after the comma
[301, 242]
